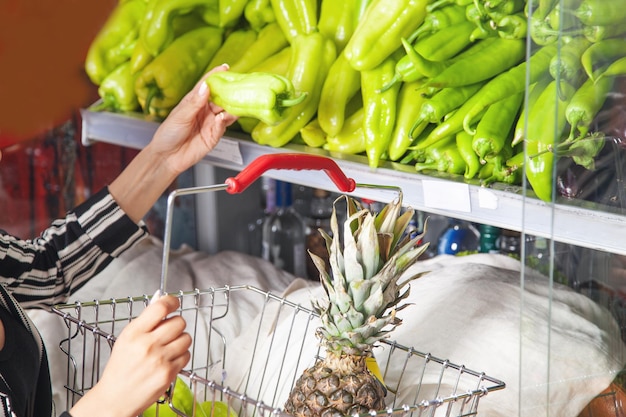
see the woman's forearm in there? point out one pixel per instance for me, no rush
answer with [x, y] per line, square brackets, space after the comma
[141, 183]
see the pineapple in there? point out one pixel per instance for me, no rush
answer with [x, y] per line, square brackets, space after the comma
[363, 296]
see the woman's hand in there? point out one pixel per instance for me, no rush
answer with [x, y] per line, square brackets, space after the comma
[192, 129]
[146, 358]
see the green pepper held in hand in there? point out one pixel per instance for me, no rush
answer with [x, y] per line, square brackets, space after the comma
[264, 96]
[379, 32]
[117, 90]
[380, 109]
[295, 17]
[171, 74]
[157, 28]
[120, 27]
[312, 56]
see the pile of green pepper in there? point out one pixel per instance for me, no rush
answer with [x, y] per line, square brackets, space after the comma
[490, 90]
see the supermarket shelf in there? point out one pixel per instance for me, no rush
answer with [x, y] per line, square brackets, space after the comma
[578, 223]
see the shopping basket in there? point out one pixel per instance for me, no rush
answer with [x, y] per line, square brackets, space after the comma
[253, 370]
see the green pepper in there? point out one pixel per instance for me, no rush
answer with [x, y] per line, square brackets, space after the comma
[180, 24]
[546, 123]
[601, 12]
[483, 65]
[438, 4]
[230, 12]
[119, 28]
[509, 82]
[157, 28]
[443, 157]
[499, 171]
[598, 56]
[616, 69]
[597, 33]
[341, 84]
[258, 13]
[269, 41]
[418, 67]
[351, 139]
[117, 90]
[295, 17]
[233, 47]
[313, 135]
[380, 109]
[379, 32]
[498, 9]
[311, 58]
[276, 64]
[171, 74]
[535, 90]
[541, 32]
[264, 96]
[413, 154]
[410, 102]
[585, 105]
[445, 44]
[494, 128]
[483, 28]
[437, 20]
[339, 19]
[435, 108]
[472, 162]
[452, 123]
[513, 26]
[566, 64]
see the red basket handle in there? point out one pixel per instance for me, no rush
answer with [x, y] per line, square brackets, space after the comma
[292, 161]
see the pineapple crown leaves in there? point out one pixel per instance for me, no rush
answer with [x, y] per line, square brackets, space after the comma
[363, 290]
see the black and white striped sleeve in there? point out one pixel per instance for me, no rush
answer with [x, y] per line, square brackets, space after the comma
[48, 269]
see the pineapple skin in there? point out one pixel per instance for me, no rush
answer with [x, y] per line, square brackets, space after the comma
[336, 386]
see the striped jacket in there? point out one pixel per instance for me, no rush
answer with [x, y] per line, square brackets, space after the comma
[45, 271]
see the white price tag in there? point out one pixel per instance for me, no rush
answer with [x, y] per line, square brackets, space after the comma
[447, 195]
[487, 199]
[227, 150]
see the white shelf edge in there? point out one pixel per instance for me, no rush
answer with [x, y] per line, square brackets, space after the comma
[580, 226]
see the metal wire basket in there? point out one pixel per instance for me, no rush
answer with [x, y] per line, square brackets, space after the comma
[253, 369]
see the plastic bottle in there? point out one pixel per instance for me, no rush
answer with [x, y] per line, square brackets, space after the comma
[267, 205]
[459, 237]
[489, 239]
[284, 234]
[320, 212]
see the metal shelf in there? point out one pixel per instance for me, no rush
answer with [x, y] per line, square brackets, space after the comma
[575, 222]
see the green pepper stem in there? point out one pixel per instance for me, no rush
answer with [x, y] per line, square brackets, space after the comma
[289, 102]
[152, 92]
[396, 79]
